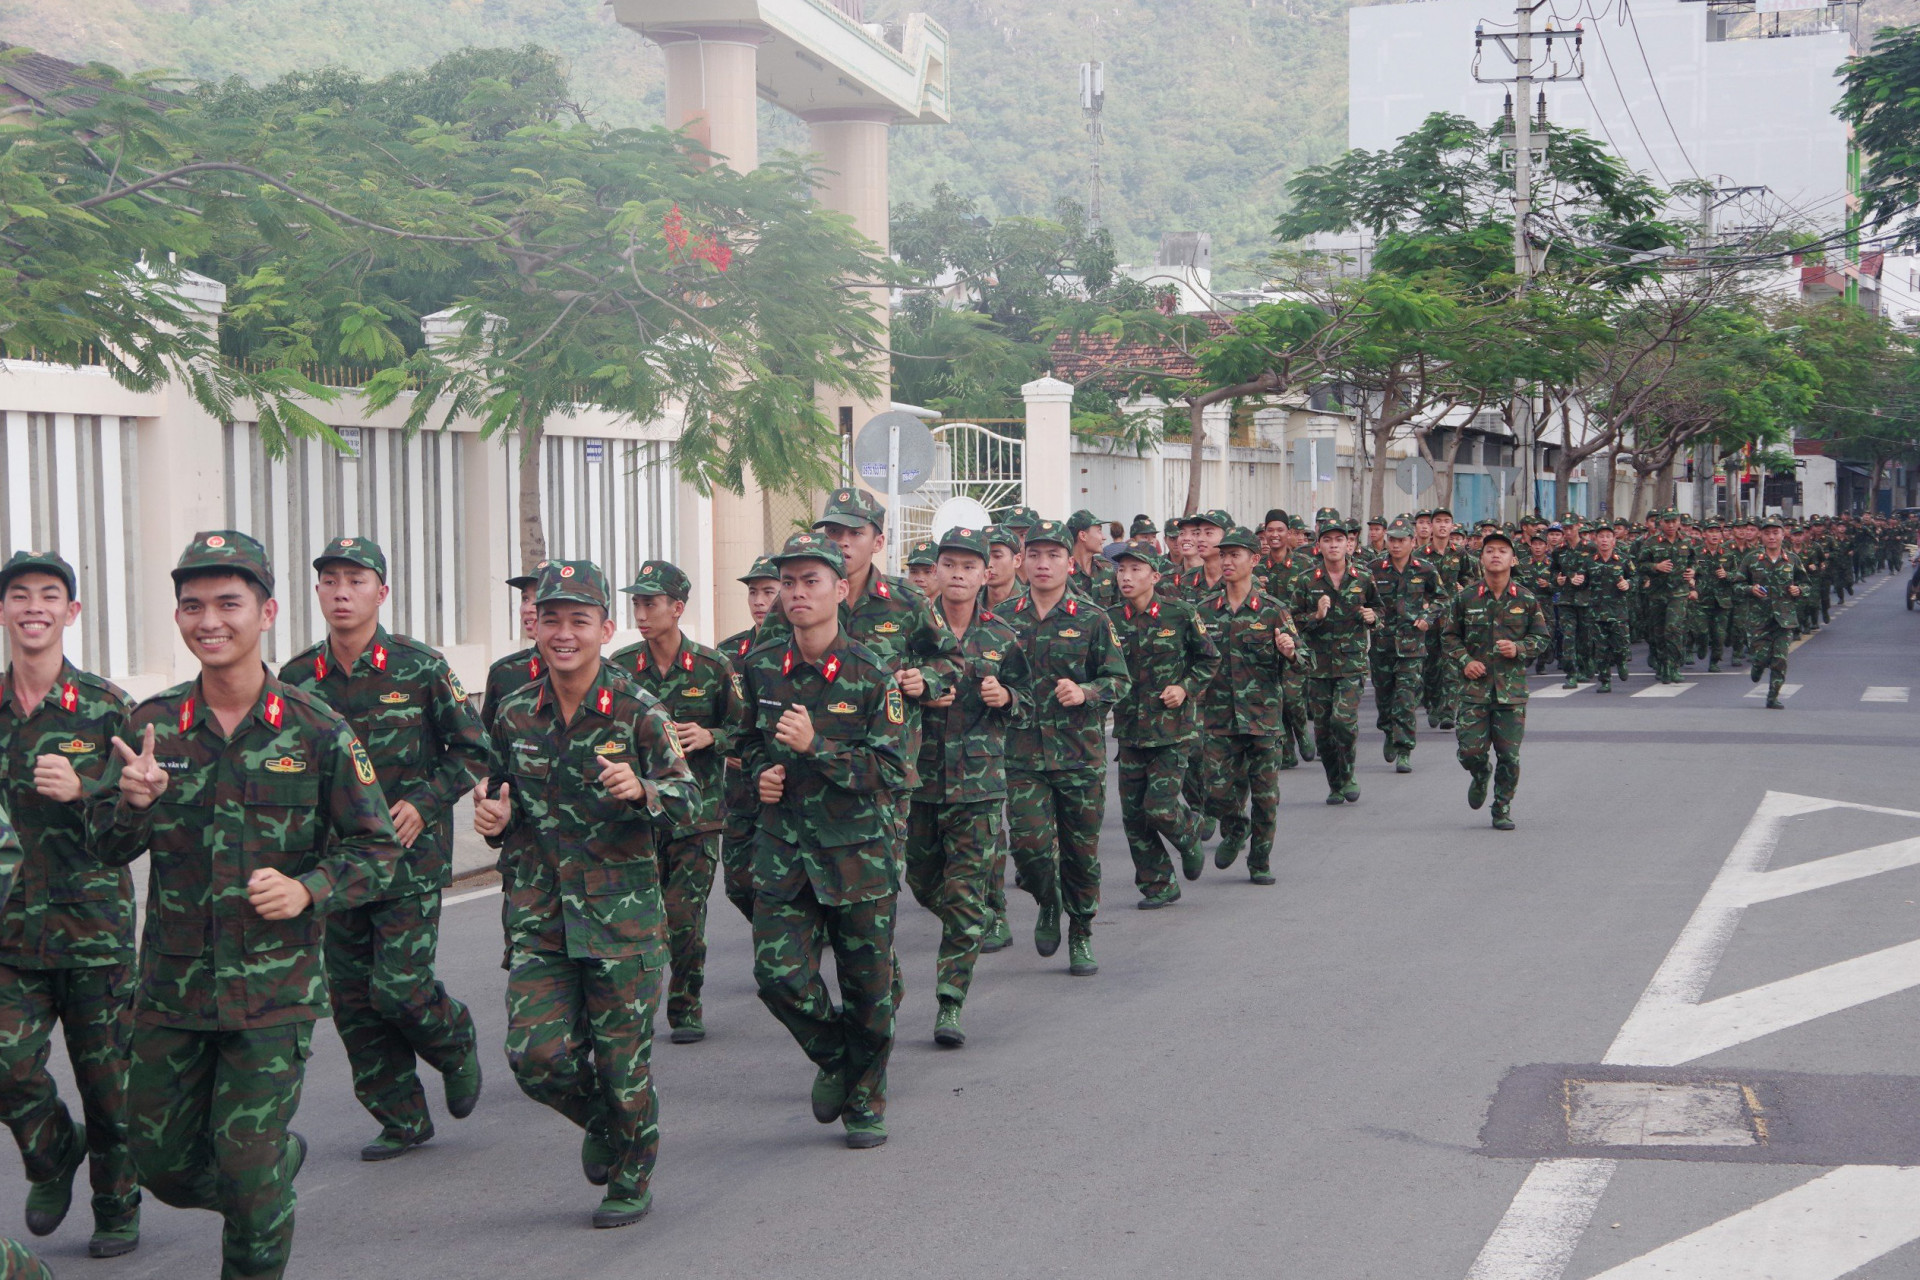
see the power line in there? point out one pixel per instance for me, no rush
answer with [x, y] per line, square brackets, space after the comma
[1626, 11]
[1607, 57]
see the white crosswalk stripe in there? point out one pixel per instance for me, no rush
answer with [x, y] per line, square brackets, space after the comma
[1885, 693]
[1560, 691]
[1664, 690]
[1786, 691]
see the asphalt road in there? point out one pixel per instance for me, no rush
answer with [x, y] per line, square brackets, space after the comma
[1285, 1081]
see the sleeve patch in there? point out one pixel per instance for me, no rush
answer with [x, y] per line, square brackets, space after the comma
[453, 686]
[896, 707]
[362, 767]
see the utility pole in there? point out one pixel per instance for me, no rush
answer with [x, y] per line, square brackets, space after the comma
[1093, 100]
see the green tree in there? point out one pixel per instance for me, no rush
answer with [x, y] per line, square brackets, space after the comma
[1880, 98]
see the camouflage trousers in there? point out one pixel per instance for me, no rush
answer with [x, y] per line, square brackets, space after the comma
[1396, 697]
[1740, 623]
[1666, 633]
[1716, 631]
[854, 1039]
[738, 830]
[950, 848]
[1293, 710]
[1609, 645]
[17, 1262]
[1245, 772]
[560, 1013]
[1193, 784]
[686, 883]
[207, 1120]
[1054, 827]
[1334, 704]
[94, 1007]
[391, 1011]
[1154, 813]
[1576, 638]
[1770, 649]
[997, 869]
[1497, 727]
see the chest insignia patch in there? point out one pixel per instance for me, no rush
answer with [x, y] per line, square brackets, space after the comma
[1070, 634]
[843, 708]
[991, 655]
[286, 764]
[887, 628]
[1164, 632]
[394, 699]
[698, 691]
[76, 747]
[609, 749]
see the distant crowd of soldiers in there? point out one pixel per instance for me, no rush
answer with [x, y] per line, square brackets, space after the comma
[866, 730]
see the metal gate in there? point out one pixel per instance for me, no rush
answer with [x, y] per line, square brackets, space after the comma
[969, 461]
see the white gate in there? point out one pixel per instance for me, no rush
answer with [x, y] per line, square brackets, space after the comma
[969, 461]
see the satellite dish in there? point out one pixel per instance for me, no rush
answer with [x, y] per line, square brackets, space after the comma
[871, 451]
[959, 513]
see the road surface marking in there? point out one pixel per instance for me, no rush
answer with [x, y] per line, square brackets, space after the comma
[469, 896]
[1537, 1236]
[1560, 691]
[1786, 691]
[1885, 693]
[1664, 690]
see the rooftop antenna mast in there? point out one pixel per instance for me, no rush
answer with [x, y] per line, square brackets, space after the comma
[1093, 99]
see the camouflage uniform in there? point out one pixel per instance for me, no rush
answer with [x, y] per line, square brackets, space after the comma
[410, 713]
[1275, 578]
[1608, 609]
[1493, 708]
[514, 671]
[17, 1262]
[1777, 616]
[740, 813]
[1165, 644]
[1241, 712]
[824, 868]
[1057, 784]
[224, 1011]
[1398, 656]
[1569, 624]
[1666, 603]
[585, 927]
[1716, 600]
[700, 687]
[1336, 666]
[1096, 582]
[66, 950]
[1440, 691]
[955, 827]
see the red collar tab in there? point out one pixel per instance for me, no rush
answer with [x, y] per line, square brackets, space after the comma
[880, 587]
[686, 659]
[1073, 607]
[786, 664]
[320, 664]
[987, 615]
[533, 668]
[1153, 610]
[1127, 609]
[276, 711]
[1221, 604]
[1483, 590]
[186, 715]
[744, 644]
[379, 657]
[69, 697]
[1253, 600]
[1020, 605]
[1320, 572]
[831, 668]
[604, 703]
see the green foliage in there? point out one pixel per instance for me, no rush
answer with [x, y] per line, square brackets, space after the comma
[1881, 99]
[1868, 406]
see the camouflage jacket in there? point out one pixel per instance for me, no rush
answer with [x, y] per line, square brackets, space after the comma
[503, 677]
[1165, 643]
[66, 910]
[1715, 590]
[1569, 563]
[1602, 589]
[1410, 595]
[1337, 643]
[895, 624]
[739, 798]
[1456, 568]
[293, 790]
[700, 687]
[1245, 694]
[1781, 607]
[1476, 621]
[1076, 641]
[963, 752]
[1100, 584]
[10, 852]
[1655, 551]
[1275, 577]
[580, 867]
[833, 826]
[410, 713]
[1190, 585]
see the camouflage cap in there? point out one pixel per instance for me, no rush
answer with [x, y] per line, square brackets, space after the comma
[1050, 531]
[364, 552]
[1020, 519]
[811, 546]
[660, 578]
[1240, 536]
[998, 535]
[763, 570]
[225, 550]
[1327, 515]
[1330, 526]
[957, 539]
[1379, 520]
[38, 562]
[1440, 511]
[1218, 516]
[1496, 534]
[1082, 520]
[1772, 522]
[521, 581]
[572, 581]
[1401, 527]
[1145, 554]
[850, 508]
[1142, 527]
[1297, 523]
[924, 554]
[1424, 513]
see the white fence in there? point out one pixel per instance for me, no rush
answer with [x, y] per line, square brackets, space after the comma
[609, 501]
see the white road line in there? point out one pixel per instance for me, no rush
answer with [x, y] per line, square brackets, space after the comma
[1543, 1225]
[1786, 691]
[1885, 693]
[469, 896]
[1664, 690]
[1820, 1230]
[1560, 691]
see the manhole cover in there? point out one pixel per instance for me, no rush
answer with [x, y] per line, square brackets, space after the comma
[1640, 1113]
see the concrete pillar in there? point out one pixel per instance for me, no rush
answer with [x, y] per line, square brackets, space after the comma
[1049, 447]
[852, 145]
[710, 92]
